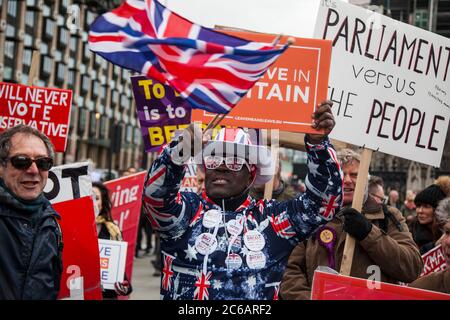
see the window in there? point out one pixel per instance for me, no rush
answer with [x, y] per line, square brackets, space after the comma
[73, 44]
[12, 8]
[28, 40]
[70, 78]
[115, 97]
[46, 11]
[102, 133]
[29, 18]
[60, 75]
[95, 89]
[86, 53]
[137, 136]
[123, 102]
[82, 121]
[129, 135]
[92, 124]
[46, 65]
[85, 85]
[10, 31]
[27, 57]
[10, 49]
[63, 37]
[44, 48]
[49, 26]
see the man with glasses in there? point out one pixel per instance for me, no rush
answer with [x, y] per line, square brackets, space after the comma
[223, 244]
[30, 236]
[385, 250]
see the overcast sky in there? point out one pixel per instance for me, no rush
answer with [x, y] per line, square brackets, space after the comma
[289, 17]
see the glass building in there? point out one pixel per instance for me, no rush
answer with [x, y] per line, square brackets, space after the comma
[103, 125]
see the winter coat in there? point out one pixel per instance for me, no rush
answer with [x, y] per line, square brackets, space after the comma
[436, 281]
[423, 236]
[204, 260]
[393, 251]
[30, 248]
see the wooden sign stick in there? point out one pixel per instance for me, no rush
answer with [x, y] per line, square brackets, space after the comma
[33, 67]
[358, 197]
[274, 146]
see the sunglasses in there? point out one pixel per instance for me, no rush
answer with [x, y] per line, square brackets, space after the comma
[24, 162]
[232, 163]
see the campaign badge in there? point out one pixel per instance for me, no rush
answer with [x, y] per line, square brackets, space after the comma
[254, 240]
[234, 227]
[237, 244]
[233, 261]
[211, 218]
[205, 243]
[256, 260]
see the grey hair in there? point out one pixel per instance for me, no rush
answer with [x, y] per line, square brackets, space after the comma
[443, 211]
[6, 136]
[347, 156]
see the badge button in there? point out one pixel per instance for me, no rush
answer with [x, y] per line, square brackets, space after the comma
[211, 218]
[254, 240]
[233, 261]
[234, 227]
[237, 244]
[205, 243]
[256, 260]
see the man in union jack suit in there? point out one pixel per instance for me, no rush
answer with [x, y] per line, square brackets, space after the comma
[223, 244]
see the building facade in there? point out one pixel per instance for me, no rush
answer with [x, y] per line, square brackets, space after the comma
[103, 125]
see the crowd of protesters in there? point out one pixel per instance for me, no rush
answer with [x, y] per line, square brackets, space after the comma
[245, 246]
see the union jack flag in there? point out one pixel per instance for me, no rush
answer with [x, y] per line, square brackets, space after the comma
[329, 206]
[210, 69]
[202, 284]
[282, 226]
[167, 272]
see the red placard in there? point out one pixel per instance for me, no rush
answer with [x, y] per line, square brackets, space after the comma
[80, 254]
[126, 200]
[46, 109]
[288, 93]
[327, 286]
[433, 261]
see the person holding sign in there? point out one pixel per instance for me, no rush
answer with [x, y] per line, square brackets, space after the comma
[30, 236]
[108, 230]
[385, 250]
[224, 244]
[439, 281]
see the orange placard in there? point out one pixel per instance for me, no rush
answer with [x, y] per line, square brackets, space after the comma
[288, 93]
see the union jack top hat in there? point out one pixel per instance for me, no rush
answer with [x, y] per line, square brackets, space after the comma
[239, 143]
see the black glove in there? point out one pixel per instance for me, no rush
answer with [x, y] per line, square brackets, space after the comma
[356, 224]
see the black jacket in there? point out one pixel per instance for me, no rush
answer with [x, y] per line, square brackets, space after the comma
[30, 248]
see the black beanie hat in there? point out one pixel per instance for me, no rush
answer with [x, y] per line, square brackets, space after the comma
[436, 192]
[430, 195]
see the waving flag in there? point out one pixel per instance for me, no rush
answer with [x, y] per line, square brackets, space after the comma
[210, 69]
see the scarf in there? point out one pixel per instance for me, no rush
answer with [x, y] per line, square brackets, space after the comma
[113, 230]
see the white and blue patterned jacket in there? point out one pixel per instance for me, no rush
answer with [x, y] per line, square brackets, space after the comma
[188, 274]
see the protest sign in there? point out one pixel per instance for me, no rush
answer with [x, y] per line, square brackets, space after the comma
[288, 93]
[126, 198]
[45, 109]
[113, 256]
[433, 261]
[390, 82]
[161, 111]
[69, 189]
[328, 286]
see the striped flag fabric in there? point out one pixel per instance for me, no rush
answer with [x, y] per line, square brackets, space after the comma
[210, 69]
